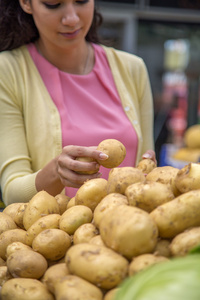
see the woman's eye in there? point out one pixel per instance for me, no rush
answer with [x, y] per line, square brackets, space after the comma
[51, 6]
[82, 2]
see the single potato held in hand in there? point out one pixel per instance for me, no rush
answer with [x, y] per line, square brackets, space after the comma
[115, 150]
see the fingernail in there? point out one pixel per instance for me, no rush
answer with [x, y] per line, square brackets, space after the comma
[146, 155]
[103, 156]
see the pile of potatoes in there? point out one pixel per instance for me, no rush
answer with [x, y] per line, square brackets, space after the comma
[190, 152]
[57, 248]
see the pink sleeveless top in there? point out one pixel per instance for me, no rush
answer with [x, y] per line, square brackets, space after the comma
[89, 106]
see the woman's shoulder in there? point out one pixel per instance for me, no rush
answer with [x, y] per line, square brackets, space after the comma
[121, 54]
[13, 57]
[125, 60]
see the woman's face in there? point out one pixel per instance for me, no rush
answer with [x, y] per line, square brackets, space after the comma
[61, 22]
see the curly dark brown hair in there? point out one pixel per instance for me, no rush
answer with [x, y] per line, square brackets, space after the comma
[17, 28]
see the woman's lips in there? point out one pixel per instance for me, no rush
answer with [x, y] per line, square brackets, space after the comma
[70, 34]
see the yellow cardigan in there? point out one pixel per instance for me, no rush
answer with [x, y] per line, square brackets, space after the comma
[29, 118]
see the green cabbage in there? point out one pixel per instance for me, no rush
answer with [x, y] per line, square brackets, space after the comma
[177, 279]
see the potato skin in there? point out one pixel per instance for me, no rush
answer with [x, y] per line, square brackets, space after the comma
[62, 201]
[16, 246]
[40, 205]
[4, 275]
[131, 231]
[6, 222]
[185, 241]
[85, 233]
[74, 217]
[110, 295]
[25, 288]
[75, 288]
[43, 223]
[18, 218]
[52, 243]
[177, 215]
[115, 150]
[10, 236]
[148, 195]
[162, 248]
[120, 178]
[26, 264]
[91, 193]
[11, 209]
[142, 262]
[188, 178]
[53, 274]
[106, 204]
[146, 165]
[105, 268]
[165, 175]
[97, 240]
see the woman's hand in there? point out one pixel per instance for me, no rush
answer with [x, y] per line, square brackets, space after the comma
[68, 165]
[150, 154]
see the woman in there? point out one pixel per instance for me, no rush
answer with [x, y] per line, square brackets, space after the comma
[61, 94]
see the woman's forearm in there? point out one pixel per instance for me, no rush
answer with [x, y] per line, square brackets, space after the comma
[48, 179]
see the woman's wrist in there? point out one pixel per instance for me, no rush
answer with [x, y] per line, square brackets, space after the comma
[48, 179]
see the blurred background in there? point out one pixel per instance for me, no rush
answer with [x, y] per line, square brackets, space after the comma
[166, 34]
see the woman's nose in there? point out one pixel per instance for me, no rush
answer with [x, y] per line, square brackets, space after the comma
[70, 17]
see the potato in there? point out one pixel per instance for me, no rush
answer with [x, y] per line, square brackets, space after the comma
[24, 289]
[10, 236]
[62, 201]
[183, 242]
[166, 175]
[97, 240]
[91, 193]
[75, 288]
[15, 246]
[11, 209]
[46, 222]
[191, 135]
[74, 217]
[26, 264]
[177, 215]
[97, 264]
[52, 243]
[106, 204]
[115, 150]
[53, 274]
[144, 261]
[4, 275]
[18, 218]
[187, 154]
[40, 205]
[129, 231]
[146, 165]
[71, 202]
[86, 159]
[85, 233]
[188, 178]
[162, 248]
[148, 195]
[120, 178]
[110, 295]
[6, 222]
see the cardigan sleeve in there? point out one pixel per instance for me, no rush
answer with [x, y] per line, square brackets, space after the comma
[15, 161]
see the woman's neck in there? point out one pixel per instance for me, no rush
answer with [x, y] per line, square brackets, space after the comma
[75, 60]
